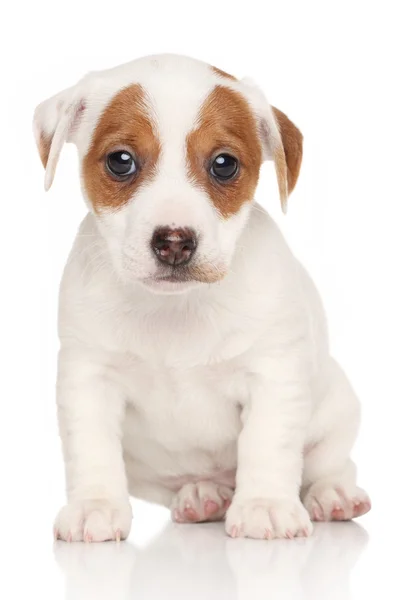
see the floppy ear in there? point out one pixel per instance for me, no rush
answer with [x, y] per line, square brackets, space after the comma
[281, 140]
[292, 142]
[55, 122]
[283, 143]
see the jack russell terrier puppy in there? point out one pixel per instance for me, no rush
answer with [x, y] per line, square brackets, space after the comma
[194, 368]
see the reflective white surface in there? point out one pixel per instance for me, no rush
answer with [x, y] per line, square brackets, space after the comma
[199, 561]
[163, 561]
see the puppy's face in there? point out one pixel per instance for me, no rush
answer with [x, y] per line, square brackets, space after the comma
[170, 153]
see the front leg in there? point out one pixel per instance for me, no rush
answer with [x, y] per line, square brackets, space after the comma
[90, 411]
[266, 503]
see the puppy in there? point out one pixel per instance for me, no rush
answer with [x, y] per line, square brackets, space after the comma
[194, 368]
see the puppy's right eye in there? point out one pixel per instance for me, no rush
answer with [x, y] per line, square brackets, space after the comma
[121, 164]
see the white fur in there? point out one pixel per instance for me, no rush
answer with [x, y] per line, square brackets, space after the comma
[161, 386]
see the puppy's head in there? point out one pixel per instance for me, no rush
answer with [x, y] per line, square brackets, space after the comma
[170, 152]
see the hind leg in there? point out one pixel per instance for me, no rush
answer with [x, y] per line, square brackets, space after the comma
[201, 501]
[329, 490]
[336, 497]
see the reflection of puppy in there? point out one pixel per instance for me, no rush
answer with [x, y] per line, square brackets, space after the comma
[315, 568]
[194, 368]
[201, 563]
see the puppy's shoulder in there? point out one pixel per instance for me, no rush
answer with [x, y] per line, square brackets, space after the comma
[89, 286]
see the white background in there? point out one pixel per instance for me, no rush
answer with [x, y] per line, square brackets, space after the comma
[333, 67]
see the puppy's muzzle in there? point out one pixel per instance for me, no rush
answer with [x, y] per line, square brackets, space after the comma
[174, 247]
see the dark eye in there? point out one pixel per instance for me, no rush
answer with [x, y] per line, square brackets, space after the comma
[224, 167]
[121, 164]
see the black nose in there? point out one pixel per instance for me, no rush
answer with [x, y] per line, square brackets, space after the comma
[174, 246]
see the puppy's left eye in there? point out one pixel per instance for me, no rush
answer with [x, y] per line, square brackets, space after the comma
[224, 167]
[120, 164]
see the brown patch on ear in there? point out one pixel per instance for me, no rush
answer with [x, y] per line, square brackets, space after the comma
[221, 73]
[44, 145]
[292, 140]
[226, 124]
[124, 125]
[282, 176]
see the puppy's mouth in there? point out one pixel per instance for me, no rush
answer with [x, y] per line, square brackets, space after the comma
[180, 278]
[174, 278]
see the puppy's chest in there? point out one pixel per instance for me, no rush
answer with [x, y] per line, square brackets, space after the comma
[175, 411]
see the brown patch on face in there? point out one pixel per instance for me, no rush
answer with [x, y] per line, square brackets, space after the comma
[44, 145]
[207, 273]
[292, 140]
[221, 73]
[124, 125]
[226, 125]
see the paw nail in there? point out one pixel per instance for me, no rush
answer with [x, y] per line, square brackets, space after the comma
[210, 507]
[118, 535]
[289, 535]
[268, 534]
[190, 514]
[317, 515]
[177, 516]
[234, 531]
[69, 537]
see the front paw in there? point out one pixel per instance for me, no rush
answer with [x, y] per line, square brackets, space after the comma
[93, 521]
[268, 518]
